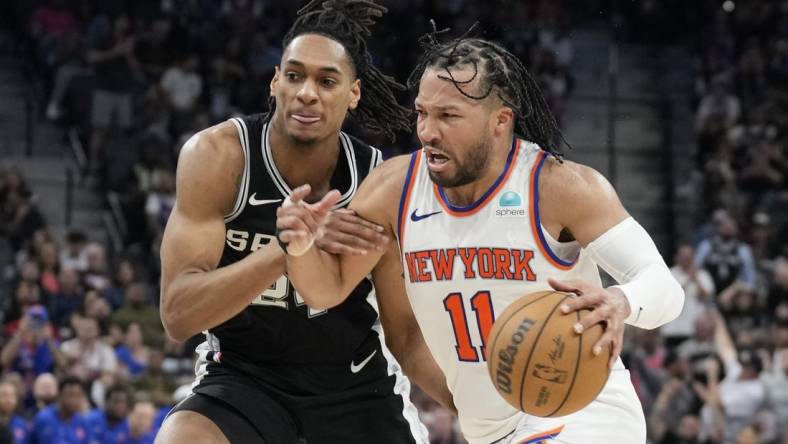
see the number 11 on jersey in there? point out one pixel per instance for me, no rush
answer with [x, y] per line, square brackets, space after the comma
[481, 303]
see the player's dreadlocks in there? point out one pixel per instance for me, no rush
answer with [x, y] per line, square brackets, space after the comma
[348, 22]
[503, 74]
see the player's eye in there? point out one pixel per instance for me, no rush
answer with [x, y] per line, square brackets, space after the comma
[292, 76]
[328, 82]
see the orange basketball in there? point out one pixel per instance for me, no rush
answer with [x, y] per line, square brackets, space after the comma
[538, 363]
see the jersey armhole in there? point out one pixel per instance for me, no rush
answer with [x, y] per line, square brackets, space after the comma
[243, 190]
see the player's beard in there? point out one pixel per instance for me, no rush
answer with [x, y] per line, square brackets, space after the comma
[470, 169]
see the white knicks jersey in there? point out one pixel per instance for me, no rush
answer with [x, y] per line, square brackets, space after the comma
[464, 265]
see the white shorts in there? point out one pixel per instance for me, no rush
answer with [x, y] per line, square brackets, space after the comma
[615, 416]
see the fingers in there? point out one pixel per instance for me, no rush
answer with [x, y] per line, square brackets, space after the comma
[587, 301]
[300, 193]
[351, 217]
[328, 201]
[567, 286]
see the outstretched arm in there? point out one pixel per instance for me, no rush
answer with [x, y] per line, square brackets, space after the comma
[323, 279]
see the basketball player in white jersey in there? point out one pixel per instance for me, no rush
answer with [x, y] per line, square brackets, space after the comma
[485, 212]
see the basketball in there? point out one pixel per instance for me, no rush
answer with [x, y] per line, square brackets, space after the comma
[538, 363]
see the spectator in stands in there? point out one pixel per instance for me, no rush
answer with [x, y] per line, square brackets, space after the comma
[156, 381]
[125, 275]
[141, 430]
[778, 288]
[45, 393]
[132, 353]
[726, 257]
[675, 401]
[69, 299]
[73, 254]
[698, 290]
[182, 86]
[742, 394]
[110, 424]
[137, 309]
[9, 403]
[154, 49]
[160, 202]
[89, 358]
[775, 378]
[701, 345]
[32, 350]
[47, 257]
[97, 308]
[25, 220]
[719, 110]
[25, 296]
[64, 421]
[95, 275]
[116, 68]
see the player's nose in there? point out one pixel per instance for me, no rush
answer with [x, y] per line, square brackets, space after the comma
[308, 92]
[428, 132]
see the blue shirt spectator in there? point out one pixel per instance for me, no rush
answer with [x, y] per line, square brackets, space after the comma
[110, 425]
[104, 432]
[50, 427]
[62, 423]
[20, 429]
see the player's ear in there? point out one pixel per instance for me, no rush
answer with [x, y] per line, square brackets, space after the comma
[274, 81]
[355, 94]
[503, 119]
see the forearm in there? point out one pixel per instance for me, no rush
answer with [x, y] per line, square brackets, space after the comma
[317, 277]
[199, 300]
[629, 255]
[419, 365]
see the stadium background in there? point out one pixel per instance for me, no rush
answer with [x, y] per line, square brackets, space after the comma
[682, 105]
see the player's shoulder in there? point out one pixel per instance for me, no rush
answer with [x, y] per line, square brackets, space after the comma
[215, 141]
[391, 174]
[567, 180]
[383, 185]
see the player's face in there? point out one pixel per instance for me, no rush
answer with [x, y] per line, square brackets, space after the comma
[314, 87]
[453, 129]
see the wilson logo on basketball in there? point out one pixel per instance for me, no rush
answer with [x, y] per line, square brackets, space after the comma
[506, 356]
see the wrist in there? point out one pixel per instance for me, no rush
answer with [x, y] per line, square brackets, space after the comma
[624, 300]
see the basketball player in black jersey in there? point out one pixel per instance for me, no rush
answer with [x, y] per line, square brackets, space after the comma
[273, 370]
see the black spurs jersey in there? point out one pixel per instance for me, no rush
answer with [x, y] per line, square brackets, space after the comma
[278, 327]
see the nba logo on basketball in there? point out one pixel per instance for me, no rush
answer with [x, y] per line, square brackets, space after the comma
[510, 204]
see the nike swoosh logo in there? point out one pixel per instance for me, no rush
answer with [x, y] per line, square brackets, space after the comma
[355, 368]
[417, 217]
[255, 202]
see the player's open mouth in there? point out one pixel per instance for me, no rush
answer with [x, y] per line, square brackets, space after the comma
[305, 118]
[436, 161]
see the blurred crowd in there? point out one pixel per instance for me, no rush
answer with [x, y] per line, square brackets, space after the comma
[84, 356]
[83, 351]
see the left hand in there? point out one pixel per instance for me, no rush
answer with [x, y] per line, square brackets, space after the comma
[608, 306]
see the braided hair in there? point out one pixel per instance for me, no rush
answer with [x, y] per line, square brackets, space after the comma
[502, 74]
[348, 22]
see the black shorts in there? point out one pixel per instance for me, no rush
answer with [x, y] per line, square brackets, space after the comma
[250, 409]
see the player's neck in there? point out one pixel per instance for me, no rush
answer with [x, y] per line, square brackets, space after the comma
[299, 165]
[465, 195]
